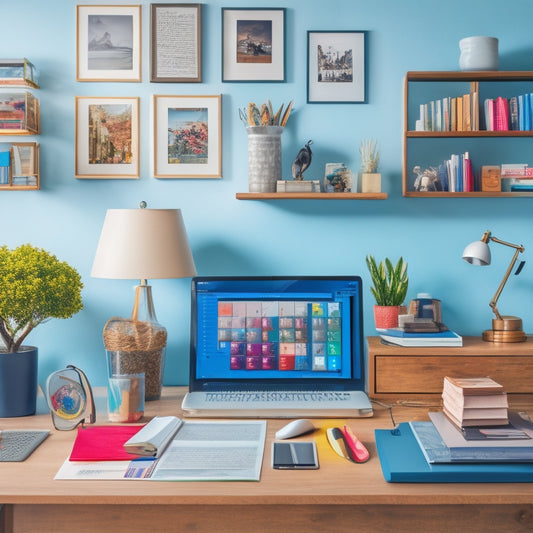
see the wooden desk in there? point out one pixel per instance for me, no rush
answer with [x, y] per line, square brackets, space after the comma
[340, 497]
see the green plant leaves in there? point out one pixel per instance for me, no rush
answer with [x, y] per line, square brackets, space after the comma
[390, 282]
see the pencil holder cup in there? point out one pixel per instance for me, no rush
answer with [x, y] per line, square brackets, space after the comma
[125, 397]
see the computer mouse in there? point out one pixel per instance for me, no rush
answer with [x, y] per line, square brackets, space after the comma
[295, 428]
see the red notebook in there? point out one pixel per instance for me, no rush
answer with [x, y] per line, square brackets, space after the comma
[103, 443]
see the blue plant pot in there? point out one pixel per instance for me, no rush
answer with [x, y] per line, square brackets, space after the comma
[18, 382]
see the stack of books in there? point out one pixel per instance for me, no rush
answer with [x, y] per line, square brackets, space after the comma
[475, 402]
[420, 333]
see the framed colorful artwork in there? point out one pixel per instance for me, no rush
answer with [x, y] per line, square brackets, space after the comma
[336, 67]
[187, 136]
[253, 44]
[175, 43]
[108, 42]
[107, 137]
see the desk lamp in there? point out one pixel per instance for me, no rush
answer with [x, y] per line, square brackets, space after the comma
[141, 244]
[504, 328]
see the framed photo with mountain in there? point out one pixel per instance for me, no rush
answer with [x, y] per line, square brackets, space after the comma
[253, 44]
[336, 67]
[108, 43]
[187, 136]
[107, 137]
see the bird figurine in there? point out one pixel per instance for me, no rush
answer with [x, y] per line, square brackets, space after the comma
[302, 161]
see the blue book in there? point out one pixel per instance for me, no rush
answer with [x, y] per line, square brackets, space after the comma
[402, 461]
[402, 338]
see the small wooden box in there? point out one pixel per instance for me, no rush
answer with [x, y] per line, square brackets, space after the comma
[491, 178]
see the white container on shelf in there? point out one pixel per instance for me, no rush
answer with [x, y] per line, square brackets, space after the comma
[478, 53]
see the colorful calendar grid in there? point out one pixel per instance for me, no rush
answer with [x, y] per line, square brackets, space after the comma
[282, 335]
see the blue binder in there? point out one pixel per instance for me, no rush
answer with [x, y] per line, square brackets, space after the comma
[402, 461]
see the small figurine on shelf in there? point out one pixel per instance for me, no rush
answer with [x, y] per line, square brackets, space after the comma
[302, 162]
[426, 180]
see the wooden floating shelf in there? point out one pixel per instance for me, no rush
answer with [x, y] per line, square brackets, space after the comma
[475, 194]
[311, 196]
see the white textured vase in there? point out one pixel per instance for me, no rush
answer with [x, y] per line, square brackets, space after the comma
[264, 157]
[478, 53]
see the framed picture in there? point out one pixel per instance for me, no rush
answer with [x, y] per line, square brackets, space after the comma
[175, 43]
[187, 136]
[107, 137]
[108, 41]
[336, 67]
[253, 44]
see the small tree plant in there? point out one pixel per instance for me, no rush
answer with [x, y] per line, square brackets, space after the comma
[34, 286]
[389, 282]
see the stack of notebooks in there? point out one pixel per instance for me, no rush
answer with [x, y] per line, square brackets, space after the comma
[421, 332]
[442, 451]
[474, 402]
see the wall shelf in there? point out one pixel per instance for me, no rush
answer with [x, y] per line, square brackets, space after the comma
[310, 196]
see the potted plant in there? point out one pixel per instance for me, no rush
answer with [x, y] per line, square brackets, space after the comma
[389, 288]
[370, 177]
[34, 287]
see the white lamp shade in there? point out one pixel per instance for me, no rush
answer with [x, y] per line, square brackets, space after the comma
[143, 244]
[477, 253]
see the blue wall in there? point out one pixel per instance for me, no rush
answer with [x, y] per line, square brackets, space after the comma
[230, 237]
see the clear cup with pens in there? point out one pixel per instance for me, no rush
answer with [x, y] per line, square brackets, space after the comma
[125, 397]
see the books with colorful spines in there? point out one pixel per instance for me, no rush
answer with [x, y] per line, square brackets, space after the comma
[467, 113]
[513, 114]
[502, 114]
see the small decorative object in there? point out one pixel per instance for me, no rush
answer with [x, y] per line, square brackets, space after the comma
[19, 113]
[19, 72]
[338, 178]
[19, 166]
[491, 178]
[505, 328]
[108, 43]
[336, 67]
[264, 128]
[302, 162]
[478, 53]
[427, 180]
[34, 287]
[253, 44]
[141, 244]
[390, 283]
[370, 178]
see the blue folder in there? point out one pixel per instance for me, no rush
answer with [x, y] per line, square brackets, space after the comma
[402, 461]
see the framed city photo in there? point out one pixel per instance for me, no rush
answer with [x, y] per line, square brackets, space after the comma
[107, 137]
[336, 67]
[108, 42]
[187, 136]
[175, 43]
[253, 44]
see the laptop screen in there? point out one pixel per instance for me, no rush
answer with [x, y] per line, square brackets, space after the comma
[294, 332]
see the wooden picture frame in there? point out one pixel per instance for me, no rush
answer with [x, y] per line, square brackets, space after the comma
[336, 67]
[175, 43]
[253, 44]
[107, 137]
[187, 136]
[108, 43]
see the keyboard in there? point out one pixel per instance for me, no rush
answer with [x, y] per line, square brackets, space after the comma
[17, 445]
[279, 404]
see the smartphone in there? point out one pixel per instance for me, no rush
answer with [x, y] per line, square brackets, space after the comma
[294, 455]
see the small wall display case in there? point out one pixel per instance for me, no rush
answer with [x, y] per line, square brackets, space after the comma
[19, 113]
[18, 72]
[19, 166]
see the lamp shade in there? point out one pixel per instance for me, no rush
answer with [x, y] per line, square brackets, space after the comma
[143, 244]
[477, 253]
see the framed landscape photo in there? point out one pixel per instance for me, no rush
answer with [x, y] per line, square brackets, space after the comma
[108, 43]
[253, 44]
[107, 137]
[187, 136]
[175, 43]
[336, 67]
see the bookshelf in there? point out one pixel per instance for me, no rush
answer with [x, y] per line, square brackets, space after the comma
[310, 196]
[484, 147]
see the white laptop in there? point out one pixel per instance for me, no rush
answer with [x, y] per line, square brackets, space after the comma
[279, 347]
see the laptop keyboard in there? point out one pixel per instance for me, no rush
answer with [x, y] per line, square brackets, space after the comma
[247, 397]
[17, 445]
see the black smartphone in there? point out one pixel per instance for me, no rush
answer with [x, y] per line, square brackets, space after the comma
[294, 455]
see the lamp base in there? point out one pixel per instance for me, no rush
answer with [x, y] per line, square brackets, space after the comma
[508, 329]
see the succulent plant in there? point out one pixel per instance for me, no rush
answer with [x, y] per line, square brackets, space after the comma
[389, 282]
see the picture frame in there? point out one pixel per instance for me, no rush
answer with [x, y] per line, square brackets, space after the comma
[175, 43]
[253, 44]
[107, 137]
[108, 43]
[187, 136]
[336, 67]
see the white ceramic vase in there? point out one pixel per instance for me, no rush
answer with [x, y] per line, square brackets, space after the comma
[478, 53]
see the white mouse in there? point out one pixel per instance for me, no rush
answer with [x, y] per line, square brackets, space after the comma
[295, 428]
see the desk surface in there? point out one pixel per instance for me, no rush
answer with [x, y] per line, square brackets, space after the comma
[336, 483]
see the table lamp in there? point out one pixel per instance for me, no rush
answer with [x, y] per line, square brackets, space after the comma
[141, 244]
[504, 328]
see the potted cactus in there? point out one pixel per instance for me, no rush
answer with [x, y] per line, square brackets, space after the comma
[34, 287]
[370, 177]
[389, 289]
